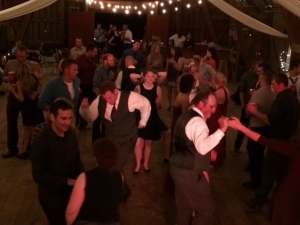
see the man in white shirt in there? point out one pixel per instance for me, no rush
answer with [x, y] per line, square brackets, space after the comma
[78, 49]
[294, 77]
[127, 37]
[190, 161]
[178, 40]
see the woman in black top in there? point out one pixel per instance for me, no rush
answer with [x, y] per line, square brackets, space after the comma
[97, 193]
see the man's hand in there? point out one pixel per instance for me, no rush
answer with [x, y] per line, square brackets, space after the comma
[85, 103]
[34, 95]
[70, 182]
[223, 122]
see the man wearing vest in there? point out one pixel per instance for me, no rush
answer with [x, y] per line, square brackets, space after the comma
[117, 111]
[129, 77]
[190, 161]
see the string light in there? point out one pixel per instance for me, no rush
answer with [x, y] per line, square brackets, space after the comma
[147, 6]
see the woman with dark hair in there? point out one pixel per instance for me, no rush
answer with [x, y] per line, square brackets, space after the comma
[189, 42]
[97, 193]
[211, 58]
[174, 68]
[285, 205]
[182, 101]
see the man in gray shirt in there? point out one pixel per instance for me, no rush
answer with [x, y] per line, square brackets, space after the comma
[263, 98]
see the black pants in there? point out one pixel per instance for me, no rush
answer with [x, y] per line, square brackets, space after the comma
[55, 215]
[274, 170]
[256, 157]
[13, 109]
[240, 136]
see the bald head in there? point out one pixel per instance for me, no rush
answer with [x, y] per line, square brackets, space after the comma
[129, 61]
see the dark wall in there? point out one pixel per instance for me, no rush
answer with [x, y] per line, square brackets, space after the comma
[135, 22]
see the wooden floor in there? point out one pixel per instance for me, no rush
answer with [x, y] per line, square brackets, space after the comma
[148, 203]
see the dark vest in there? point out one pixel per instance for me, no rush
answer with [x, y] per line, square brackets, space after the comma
[124, 126]
[102, 197]
[185, 154]
[126, 84]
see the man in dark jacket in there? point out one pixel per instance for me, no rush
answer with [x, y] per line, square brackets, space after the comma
[56, 161]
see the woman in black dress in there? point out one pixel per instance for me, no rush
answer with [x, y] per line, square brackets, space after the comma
[154, 126]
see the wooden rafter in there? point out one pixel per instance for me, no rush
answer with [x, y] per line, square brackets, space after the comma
[209, 23]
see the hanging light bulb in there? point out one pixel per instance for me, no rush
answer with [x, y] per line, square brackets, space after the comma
[176, 9]
[135, 7]
[170, 2]
[139, 12]
[164, 11]
[162, 4]
[114, 10]
[153, 6]
[188, 5]
[108, 5]
[200, 2]
[152, 12]
[127, 11]
[156, 2]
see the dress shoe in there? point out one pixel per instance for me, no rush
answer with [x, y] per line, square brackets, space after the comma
[136, 172]
[9, 154]
[250, 185]
[147, 170]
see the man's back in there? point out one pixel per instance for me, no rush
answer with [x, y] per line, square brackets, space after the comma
[283, 115]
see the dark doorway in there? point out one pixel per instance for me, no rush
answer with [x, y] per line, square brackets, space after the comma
[136, 23]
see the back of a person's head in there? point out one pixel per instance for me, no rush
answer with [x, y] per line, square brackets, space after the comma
[206, 71]
[60, 104]
[65, 53]
[129, 60]
[202, 95]
[66, 63]
[257, 60]
[267, 77]
[220, 79]
[265, 66]
[90, 47]
[105, 152]
[281, 78]
[107, 86]
[294, 64]
[186, 83]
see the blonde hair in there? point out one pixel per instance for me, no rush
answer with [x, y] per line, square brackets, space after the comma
[153, 54]
[188, 64]
[220, 79]
[24, 75]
